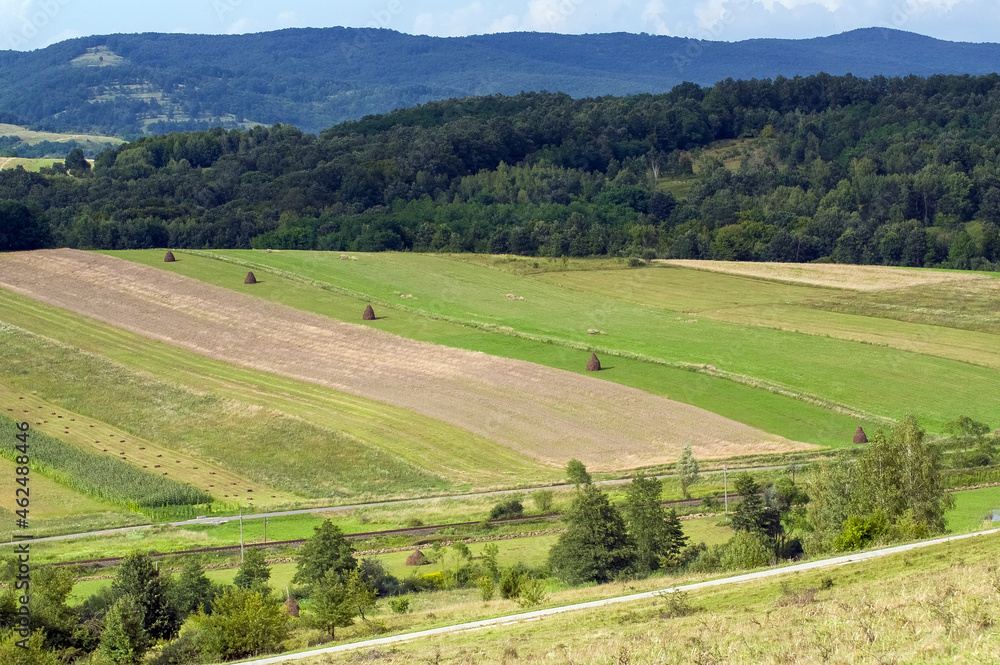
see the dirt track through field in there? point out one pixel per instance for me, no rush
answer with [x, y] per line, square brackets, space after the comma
[548, 414]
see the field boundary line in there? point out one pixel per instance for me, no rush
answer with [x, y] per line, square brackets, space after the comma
[540, 614]
[742, 379]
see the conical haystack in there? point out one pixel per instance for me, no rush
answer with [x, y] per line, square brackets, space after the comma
[250, 279]
[860, 437]
[292, 607]
[169, 257]
[417, 558]
[369, 314]
[593, 365]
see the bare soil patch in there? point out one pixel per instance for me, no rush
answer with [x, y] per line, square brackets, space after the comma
[838, 276]
[547, 414]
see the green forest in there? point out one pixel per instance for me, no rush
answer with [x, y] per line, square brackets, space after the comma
[893, 171]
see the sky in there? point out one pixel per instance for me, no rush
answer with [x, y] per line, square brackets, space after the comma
[33, 24]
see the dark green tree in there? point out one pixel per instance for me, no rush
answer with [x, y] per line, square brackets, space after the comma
[243, 624]
[21, 229]
[193, 590]
[254, 573]
[596, 545]
[326, 550]
[647, 523]
[76, 161]
[124, 641]
[577, 473]
[332, 604]
[752, 512]
[139, 579]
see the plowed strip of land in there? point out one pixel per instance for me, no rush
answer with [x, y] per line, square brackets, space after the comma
[548, 414]
[838, 276]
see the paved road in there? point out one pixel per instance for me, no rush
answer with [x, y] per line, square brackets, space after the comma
[540, 614]
[331, 509]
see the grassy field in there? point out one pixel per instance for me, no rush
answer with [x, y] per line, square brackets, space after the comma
[972, 507]
[934, 605]
[32, 137]
[384, 451]
[420, 318]
[560, 307]
[32, 165]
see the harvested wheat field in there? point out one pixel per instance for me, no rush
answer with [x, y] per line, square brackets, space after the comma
[833, 275]
[547, 414]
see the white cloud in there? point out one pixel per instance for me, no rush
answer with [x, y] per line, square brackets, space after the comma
[240, 27]
[652, 14]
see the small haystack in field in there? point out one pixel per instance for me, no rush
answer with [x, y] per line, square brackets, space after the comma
[169, 257]
[860, 436]
[250, 279]
[416, 558]
[369, 314]
[593, 365]
[292, 607]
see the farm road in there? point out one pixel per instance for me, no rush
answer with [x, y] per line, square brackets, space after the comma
[547, 414]
[540, 614]
[374, 504]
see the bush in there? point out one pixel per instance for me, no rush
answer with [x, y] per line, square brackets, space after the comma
[745, 550]
[399, 604]
[510, 582]
[678, 604]
[861, 531]
[543, 500]
[508, 508]
[371, 628]
[487, 589]
[531, 592]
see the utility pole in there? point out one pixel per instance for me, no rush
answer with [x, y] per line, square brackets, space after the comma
[725, 480]
[265, 529]
[241, 534]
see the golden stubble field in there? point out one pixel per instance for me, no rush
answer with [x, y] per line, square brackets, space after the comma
[833, 275]
[547, 414]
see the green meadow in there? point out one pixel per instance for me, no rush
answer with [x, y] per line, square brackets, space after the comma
[660, 325]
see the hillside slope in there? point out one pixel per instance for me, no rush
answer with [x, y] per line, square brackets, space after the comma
[314, 78]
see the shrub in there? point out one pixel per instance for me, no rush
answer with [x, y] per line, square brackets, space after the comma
[371, 628]
[543, 500]
[508, 508]
[860, 531]
[487, 589]
[745, 550]
[678, 604]
[399, 604]
[510, 582]
[531, 592]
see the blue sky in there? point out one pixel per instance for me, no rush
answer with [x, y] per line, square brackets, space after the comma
[31, 24]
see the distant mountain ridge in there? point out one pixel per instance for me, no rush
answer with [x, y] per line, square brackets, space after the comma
[315, 78]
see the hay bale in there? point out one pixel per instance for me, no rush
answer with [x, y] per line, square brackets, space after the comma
[369, 314]
[169, 257]
[292, 607]
[860, 437]
[593, 365]
[416, 558]
[250, 279]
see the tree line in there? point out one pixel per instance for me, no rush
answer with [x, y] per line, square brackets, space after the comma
[900, 171]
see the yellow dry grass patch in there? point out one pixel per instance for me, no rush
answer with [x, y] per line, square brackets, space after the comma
[832, 275]
[32, 137]
[99, 437]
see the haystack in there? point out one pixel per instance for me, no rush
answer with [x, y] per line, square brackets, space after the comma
[369, 314]
[292, 607]
[860, 437]
[416, 558]
[250, 279]
[593, 365]
[169, 257]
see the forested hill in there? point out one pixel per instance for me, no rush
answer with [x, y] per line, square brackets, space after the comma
[893, 171]
[313, 78]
